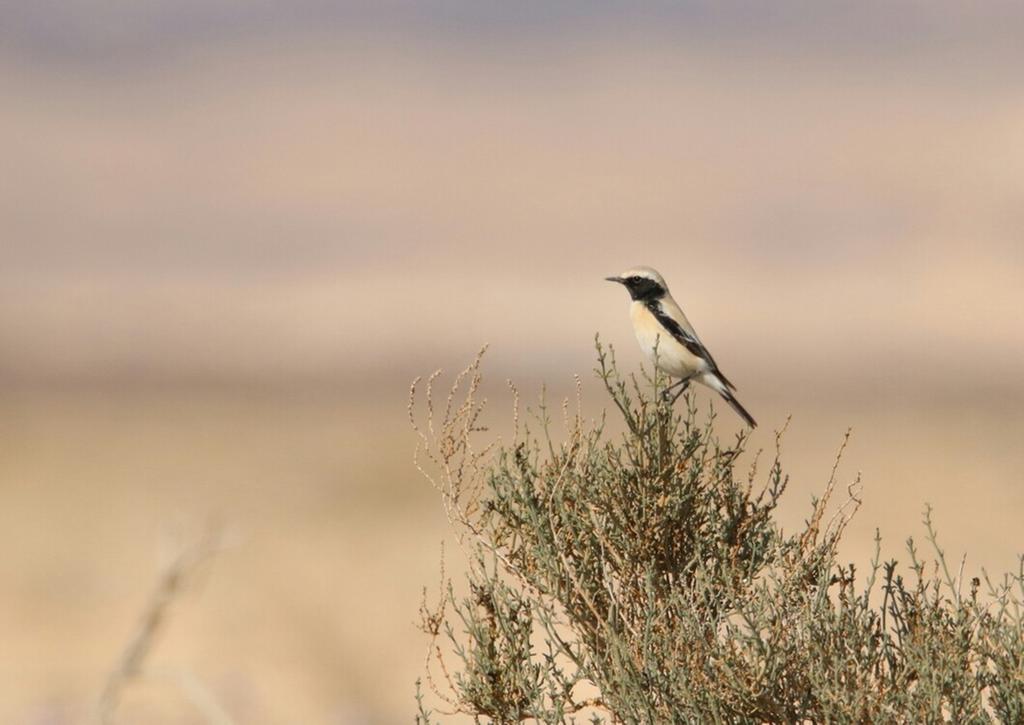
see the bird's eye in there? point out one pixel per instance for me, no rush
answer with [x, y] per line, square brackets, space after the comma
[634, 279]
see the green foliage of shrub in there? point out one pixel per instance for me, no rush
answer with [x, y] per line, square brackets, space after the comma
[643, 578]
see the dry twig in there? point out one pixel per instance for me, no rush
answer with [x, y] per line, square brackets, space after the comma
[131, 665]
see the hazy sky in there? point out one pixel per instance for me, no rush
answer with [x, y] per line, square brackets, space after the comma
[96, 29]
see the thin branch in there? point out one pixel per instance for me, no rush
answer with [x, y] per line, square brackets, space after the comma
[130, 667]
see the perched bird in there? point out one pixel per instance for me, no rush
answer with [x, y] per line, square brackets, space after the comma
[660, 324]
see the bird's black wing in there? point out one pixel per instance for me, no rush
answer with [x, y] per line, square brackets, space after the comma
[685, 339]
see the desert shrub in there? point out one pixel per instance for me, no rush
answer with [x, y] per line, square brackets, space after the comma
[643, 578]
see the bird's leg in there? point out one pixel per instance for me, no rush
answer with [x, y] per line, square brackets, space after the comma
[668, 389]
[665, 394]
[683, 385]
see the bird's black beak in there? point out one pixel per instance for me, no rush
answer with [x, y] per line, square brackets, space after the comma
[615, 279]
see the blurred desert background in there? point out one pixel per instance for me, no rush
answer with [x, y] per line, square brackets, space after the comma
[232, 232]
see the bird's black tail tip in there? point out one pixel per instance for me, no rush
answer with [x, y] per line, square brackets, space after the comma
[740, 410]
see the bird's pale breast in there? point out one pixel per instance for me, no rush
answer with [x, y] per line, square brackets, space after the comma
[673, 357]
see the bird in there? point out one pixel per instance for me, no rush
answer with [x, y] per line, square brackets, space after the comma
[669, 340]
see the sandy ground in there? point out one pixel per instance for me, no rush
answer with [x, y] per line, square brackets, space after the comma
[329, 531]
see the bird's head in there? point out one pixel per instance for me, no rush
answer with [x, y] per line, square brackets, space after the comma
[643, 283]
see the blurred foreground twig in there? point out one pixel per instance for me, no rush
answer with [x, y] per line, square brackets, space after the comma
[174, 578]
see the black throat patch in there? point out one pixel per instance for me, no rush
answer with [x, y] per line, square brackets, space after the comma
[645, 290]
